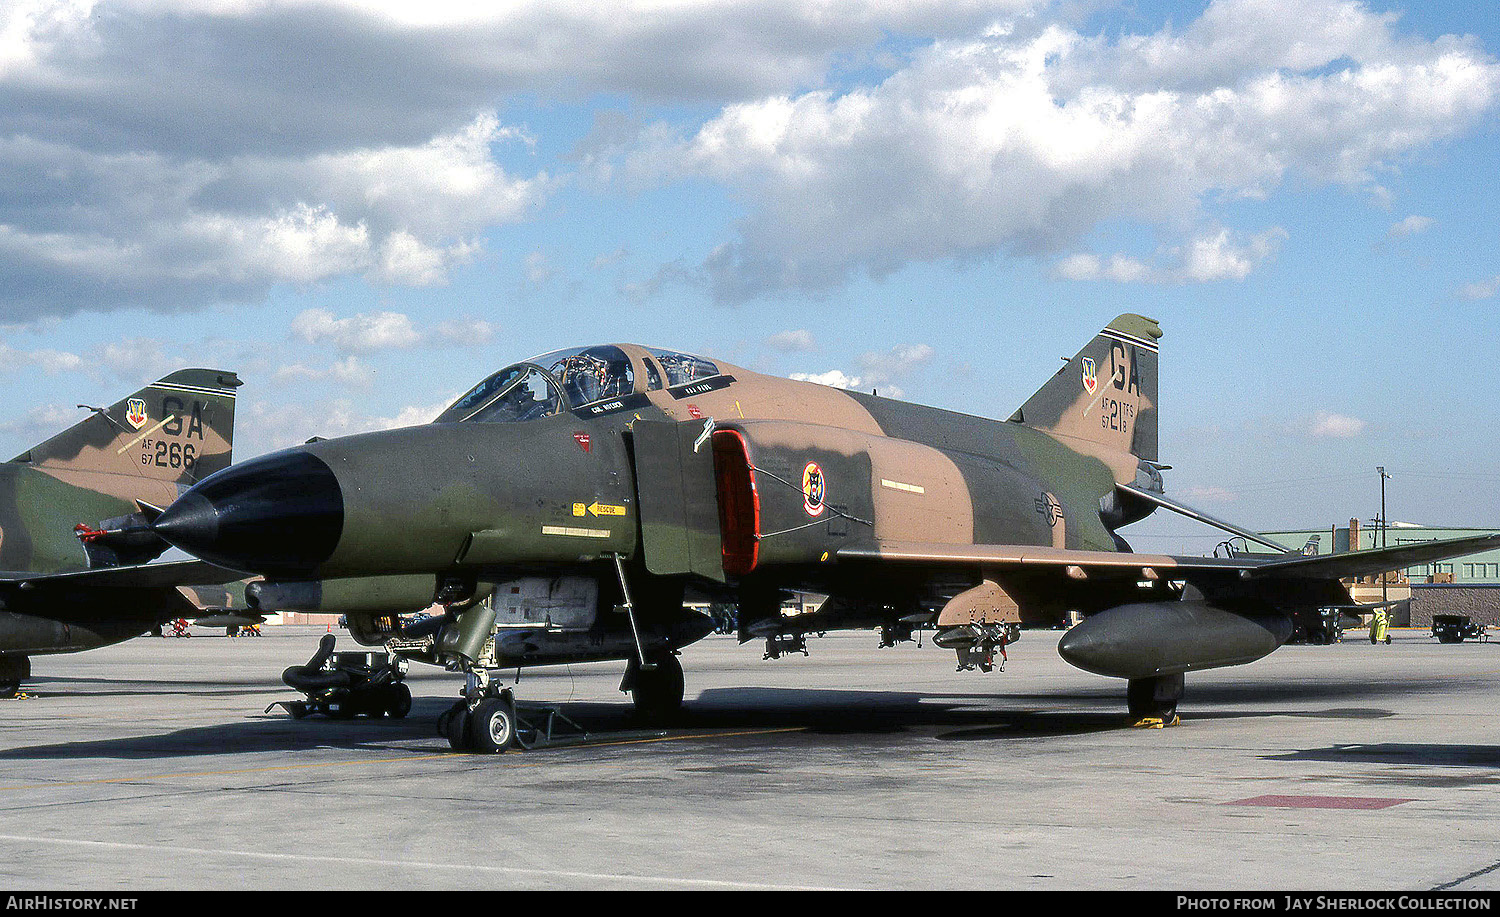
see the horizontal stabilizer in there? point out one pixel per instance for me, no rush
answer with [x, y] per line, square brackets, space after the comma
[1200, 516]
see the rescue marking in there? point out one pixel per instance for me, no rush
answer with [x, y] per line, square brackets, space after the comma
[573, 532]
[602, 509]
[909, 488]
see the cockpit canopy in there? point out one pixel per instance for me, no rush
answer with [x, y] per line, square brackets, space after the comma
[572, 379]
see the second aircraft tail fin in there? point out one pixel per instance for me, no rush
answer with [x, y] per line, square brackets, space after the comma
[178, 429]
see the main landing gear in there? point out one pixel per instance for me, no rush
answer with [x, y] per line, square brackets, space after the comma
[656, 690]
[13, 671]
[1153, 701]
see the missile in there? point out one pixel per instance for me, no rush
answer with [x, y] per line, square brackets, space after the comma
[1168, 638]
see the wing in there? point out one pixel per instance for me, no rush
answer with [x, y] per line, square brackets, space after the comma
[139, 576]
[1118, 564]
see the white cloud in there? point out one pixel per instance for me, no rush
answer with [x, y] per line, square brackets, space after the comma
[834, 377]
[360, 333]
[366, 332]
[537, 269]
[1024, 142]
[1326, 425]
[1217, 256]
[263, 427]
[1479, 289]
[798, 341]
[1209, 494]
[1410, 226]
[899, 361]
[165, 232]
[348, 371]
[877, 370]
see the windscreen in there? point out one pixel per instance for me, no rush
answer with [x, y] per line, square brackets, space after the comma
[546, 385]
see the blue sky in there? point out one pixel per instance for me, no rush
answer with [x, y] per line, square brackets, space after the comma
[364, 206]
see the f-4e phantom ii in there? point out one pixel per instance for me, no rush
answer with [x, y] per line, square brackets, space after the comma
[66, 586]
[584, 492]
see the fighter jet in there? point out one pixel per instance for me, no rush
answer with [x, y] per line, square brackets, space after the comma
[68, 585]
[580, 495]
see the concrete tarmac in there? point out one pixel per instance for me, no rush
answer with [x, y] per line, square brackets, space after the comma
[150, 765]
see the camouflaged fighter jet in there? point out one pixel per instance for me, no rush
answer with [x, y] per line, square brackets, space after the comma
[561, 509]
[66, 586]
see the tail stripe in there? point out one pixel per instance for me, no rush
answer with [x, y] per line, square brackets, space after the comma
[1131, 339]
[219, 392]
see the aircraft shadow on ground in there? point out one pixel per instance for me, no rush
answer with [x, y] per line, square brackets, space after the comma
[1400, 753]
[978, 715]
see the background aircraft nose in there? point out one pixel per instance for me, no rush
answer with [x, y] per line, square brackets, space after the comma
[282, 513]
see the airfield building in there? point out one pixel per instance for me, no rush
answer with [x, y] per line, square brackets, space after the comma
[1465, 585]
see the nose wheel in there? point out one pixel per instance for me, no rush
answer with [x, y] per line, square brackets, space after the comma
[485, 723]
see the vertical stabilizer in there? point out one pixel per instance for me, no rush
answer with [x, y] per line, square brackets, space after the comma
[1106, 394]
[178, 429]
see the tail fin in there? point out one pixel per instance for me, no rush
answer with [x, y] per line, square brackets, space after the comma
[178, 429]
[1106, 394]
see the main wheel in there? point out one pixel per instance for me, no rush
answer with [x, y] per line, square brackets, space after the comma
[493, 726]
[1154, 698]
[658, 692]
[13, 670]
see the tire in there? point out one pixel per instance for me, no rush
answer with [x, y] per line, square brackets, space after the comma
[456, 727]
[9, 689]
[1141, 701]
[398, 701]
[493, 726]
[658, 693]
[296, 710]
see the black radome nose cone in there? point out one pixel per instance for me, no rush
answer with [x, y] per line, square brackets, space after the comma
[282, 513]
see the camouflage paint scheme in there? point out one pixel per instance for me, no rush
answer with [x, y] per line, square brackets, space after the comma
[117, 464]
[741, 486]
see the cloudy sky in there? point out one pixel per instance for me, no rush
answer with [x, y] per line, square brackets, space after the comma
[363, 206]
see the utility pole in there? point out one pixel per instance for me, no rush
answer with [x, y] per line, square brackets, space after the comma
[1384, 576]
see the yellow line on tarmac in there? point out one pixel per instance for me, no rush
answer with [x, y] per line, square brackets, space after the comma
[325, 764]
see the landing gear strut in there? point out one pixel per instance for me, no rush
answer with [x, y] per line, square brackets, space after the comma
[1153, 701]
